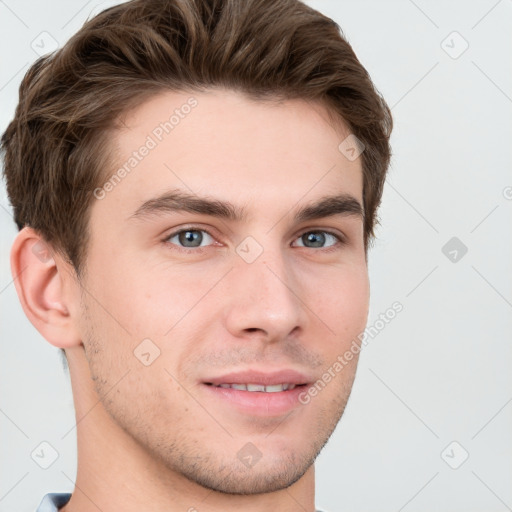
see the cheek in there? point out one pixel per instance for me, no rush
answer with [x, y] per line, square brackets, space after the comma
[341, 301]
[143, 300]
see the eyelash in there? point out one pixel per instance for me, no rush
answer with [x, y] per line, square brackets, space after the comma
[199, 250]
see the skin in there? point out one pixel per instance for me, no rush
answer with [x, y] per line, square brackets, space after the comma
[151, 437]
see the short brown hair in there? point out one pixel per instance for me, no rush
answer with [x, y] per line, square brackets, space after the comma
[55, 149]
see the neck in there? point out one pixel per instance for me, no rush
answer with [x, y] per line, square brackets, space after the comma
[115, 472]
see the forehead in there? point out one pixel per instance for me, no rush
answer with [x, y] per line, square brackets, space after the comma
[222, 143]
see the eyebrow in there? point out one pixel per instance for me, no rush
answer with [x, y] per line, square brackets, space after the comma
[181, 201]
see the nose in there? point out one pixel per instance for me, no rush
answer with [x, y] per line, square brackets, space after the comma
[264, 300]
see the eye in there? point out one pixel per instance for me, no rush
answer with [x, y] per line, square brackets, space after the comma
[319, 239]
[190, 238]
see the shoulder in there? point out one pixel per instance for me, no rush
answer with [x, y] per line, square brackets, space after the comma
[51, 502]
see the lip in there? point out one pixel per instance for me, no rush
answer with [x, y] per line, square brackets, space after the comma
[258, 403]
[259, 377]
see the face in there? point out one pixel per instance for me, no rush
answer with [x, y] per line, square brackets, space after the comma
[225, 275]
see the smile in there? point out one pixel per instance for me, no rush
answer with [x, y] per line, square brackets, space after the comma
[260, 388]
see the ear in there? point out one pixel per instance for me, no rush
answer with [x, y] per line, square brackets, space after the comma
[44, 283]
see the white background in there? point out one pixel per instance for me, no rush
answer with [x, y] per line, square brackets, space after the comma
[440, 371]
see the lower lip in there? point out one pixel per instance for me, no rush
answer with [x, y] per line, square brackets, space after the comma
[258, 402]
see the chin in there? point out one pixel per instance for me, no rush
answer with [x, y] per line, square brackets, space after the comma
[253, 480]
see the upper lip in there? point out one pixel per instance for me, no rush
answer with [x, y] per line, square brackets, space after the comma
[258, 377]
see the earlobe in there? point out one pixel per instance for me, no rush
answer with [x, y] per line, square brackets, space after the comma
[39, 279]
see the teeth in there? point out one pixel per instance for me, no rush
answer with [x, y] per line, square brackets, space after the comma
[274, 388]
[255, 387]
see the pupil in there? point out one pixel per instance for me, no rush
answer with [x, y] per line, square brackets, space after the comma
[191, 238]
[314, 239]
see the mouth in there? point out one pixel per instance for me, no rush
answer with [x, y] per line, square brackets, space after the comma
[257, 388]
[258, 393]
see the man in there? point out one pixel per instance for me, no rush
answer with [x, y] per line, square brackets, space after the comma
[196, 185]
